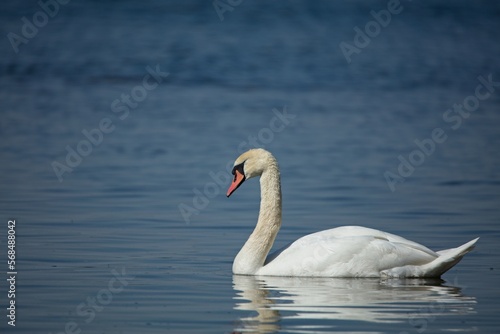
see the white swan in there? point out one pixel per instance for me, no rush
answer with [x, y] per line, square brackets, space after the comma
[349, 251]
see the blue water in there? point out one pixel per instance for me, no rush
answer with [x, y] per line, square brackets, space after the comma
[136, 235]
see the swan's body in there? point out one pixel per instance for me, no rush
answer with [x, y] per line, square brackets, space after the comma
[349, 251]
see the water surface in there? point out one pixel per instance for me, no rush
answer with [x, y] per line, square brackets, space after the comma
[108, 249]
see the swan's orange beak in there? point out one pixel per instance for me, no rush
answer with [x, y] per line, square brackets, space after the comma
[237, 181]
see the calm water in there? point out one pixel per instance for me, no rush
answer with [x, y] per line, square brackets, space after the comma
[136, 235]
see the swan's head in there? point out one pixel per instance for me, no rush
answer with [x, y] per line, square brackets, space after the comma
[250, 164]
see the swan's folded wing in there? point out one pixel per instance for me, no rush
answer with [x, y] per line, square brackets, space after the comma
[348, 252]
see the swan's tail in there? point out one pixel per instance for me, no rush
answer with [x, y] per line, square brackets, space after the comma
[447, 259]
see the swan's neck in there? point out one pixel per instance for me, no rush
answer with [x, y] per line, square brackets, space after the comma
[253, 254]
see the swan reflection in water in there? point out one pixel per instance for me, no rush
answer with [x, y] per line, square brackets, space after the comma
[311, 305]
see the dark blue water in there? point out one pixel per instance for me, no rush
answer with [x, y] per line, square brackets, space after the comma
[131, 231]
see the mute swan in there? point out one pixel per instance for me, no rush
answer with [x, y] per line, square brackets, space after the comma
[348, 251]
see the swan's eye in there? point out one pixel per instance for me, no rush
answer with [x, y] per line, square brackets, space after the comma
[238, 168]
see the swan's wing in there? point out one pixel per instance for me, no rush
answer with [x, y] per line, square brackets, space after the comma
[349, 251]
